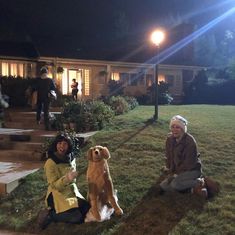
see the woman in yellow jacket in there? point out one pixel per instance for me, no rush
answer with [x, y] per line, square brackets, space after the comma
[63, 199]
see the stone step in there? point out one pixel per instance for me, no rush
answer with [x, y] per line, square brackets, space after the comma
[20, 155]
[19, 118]
[31, 146]
[12, 172]
[23, 125]
[5, 232]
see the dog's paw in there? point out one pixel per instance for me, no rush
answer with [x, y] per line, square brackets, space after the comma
[119, 212]
[96, 215]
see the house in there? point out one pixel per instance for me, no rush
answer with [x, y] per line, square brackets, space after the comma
[92, 75]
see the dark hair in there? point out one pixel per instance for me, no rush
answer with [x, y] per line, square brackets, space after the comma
[60, 138]
[43, 70]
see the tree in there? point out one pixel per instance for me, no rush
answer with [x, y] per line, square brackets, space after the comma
[231, 69]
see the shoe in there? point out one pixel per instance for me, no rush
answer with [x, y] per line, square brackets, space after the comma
[43, 219]
[213, 187]
[200, 189]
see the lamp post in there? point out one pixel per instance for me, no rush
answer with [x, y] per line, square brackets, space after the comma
[157, 37]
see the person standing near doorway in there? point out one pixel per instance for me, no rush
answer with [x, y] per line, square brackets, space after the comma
[74, 87]
[44, 85]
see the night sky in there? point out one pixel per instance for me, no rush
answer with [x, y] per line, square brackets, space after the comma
[51, 24]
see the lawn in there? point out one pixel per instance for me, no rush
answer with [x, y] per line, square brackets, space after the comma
[137, 151]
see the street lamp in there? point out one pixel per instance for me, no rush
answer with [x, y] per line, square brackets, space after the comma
[157, 37]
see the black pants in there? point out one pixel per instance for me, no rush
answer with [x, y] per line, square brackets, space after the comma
[74, 215]
[43, 105]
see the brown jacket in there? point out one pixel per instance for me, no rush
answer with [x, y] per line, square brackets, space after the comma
[183, 155]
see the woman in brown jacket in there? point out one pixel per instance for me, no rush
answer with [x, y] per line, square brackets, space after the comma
[183, 164]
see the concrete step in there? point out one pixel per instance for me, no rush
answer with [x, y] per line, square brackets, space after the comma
[5, 232]
[27, 138]
[31, 146]
[12, 172]
[20, 155]
[23, 125]
[19, 118]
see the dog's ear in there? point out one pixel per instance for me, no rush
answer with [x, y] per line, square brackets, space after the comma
[89, 154]
[106, 153]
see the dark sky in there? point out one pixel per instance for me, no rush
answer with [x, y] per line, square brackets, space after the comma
[88, 23]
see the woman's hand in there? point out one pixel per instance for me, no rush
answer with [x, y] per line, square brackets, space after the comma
[165, 170]
[71, 175]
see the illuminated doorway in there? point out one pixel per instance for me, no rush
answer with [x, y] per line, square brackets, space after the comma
[82, 77]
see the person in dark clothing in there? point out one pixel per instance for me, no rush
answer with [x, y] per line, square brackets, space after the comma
[64, 202]
[44, 86]
[74, 87]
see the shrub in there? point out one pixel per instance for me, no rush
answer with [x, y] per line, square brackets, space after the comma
[132, 102]
[88, 116]
[15, 88]
[118, 105]
[102, 113]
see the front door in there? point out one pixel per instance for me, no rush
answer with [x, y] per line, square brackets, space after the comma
[82, 77]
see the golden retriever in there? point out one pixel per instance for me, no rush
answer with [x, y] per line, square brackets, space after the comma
[100, 186]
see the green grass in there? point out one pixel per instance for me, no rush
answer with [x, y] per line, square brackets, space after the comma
[137, 150]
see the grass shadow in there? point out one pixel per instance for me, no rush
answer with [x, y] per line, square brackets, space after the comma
[159, 213]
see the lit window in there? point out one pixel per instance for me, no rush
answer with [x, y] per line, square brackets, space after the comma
[13, 71]
[87, 82]
[5, 69]
[79, 80]
[72, 75]
[21, 70]
[161, 78]
[115, 76]
[65, 82]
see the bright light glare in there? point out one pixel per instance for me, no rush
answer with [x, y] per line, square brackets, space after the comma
[157, 37]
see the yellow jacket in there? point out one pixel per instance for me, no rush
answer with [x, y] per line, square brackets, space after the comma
[65, 195]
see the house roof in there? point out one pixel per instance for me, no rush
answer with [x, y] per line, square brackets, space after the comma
[18, 49]
[123, 51]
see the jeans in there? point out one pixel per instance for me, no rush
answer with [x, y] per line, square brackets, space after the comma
[183, 181]
[45, 106]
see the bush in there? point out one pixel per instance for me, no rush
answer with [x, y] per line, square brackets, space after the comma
[15, 88]
[221, 93]
[88, 116]
[102, 113]
[118, 104]
[132, 102]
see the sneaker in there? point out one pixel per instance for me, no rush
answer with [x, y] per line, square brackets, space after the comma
[212, 186]
[200, 189]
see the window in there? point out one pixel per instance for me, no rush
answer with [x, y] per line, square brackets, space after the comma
[149, 80]
[64, 82]
[124, 78]
[13, 70]
[21, 70]
[133, 79]
[87, 82]
[5, 69]
[141, 78]
[170, 80]
[115, 76]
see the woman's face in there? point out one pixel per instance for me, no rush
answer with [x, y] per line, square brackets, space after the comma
[177, 131]
[62, 147]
